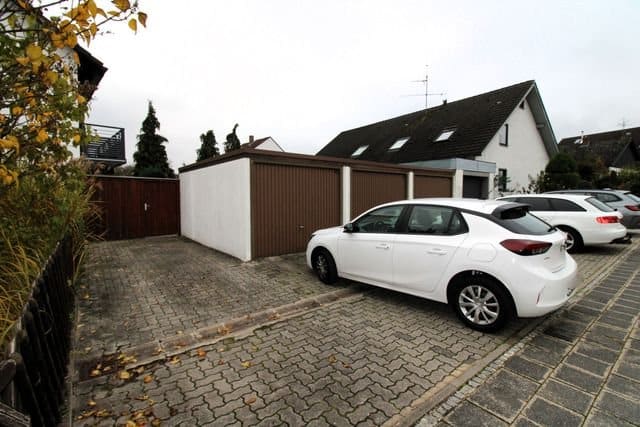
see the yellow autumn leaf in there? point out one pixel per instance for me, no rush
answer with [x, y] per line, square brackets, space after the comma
[246, 364]
[133, 24]
[103, 413]
[81, 99]
[124, 375]
[123, 5]
[16, 110]
[76, 139]
[42, 135]
[92, 8]
[91, 403]
[71, 40]
[131, 424]
[22, 60]
[52, 76]
[156, 422]
[201, 353]
[174, 360]
[34, 52]
[95, 373]
[142, 17]
[148, 379]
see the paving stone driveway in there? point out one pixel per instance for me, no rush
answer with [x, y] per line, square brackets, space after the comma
[364, 356]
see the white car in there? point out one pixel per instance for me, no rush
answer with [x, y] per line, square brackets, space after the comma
[585, 219]
[488, 259]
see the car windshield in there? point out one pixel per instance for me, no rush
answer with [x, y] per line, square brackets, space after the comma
[520, 221]
[633, 197]
[599, 205]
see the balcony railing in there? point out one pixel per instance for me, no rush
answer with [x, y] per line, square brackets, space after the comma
[108, 148]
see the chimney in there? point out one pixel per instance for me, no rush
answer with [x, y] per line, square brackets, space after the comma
[250, 139]
[444, 101]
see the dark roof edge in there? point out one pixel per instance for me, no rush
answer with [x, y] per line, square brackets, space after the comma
[336, 162]
[602, 133]
[540, 116]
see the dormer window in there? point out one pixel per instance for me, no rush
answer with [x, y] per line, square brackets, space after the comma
[445, 135]
[399, 143]
[359, 151]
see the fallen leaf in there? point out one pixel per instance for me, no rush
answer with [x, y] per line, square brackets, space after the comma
[180, 345]
[130, 424]
[221, 349]
[91, 403]
[174, 360]
[124, 375]
[140, 370]
[274, 316]
[249, 400]
[332, 359]
[156, 422]
[86, 296]
[159, 350]
[148, 379]
[246, 364]
[142, 397]
[107, 368]
[346, 365]
[221, 362]
[141, 422]
[201, 354]
[102, 413]
[95, 373]
[223, 330]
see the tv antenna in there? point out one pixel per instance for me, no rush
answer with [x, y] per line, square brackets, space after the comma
[426, 88]
[623, 123]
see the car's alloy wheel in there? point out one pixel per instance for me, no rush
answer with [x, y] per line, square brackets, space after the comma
[481, 302]
[324, 266]
[573, 242]
[479, 305]
[570, 242]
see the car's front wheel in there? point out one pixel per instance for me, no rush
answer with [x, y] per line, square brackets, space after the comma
[324, 266]
[481, 303]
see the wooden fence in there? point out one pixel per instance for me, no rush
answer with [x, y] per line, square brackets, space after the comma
[32, 376]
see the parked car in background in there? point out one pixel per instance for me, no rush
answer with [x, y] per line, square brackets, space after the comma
[625, 202]
[488, 259]
[585, 219]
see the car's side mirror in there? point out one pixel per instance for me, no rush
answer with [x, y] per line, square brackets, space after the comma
[349, 228]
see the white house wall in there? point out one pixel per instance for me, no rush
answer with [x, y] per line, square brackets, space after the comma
[215, 207]
[525, 155]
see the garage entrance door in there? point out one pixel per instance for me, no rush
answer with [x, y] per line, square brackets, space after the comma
[474, 187]
[369, 189]
[289, 203]
[431, 186]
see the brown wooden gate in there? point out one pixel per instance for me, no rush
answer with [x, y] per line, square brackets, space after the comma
[288, 203]
[369, 189]
[137, 207]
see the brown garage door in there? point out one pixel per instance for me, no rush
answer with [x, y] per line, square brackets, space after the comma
[369, 189]
[289, 203]
[136, 207]
[431, 186]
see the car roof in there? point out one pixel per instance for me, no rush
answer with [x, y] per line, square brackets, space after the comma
[589, 190]
[478, 205]
[572, 197]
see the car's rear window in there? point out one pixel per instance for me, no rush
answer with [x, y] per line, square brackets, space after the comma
[599, 205]
[633, 197]
[520, 221]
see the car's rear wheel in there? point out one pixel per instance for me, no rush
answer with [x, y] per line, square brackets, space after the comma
[324, 266]
[574, 239]
[481, 303]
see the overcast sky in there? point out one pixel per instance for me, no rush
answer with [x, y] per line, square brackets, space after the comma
[303, 71]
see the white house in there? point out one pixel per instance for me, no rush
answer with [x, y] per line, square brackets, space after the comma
[497, 140]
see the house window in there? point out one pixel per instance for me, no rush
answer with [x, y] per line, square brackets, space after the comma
[503, 135]
[502, 180]
[359, 150]
[399, 143]
[446, 134]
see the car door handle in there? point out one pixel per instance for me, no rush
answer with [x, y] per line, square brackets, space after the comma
[382, 246]
[437, 251]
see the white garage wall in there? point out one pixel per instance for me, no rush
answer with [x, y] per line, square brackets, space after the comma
[215, 207]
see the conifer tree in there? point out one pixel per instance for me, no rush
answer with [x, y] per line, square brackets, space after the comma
[232, 142]
[209, 147]
[151, 157]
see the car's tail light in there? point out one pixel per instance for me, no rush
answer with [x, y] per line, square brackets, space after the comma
[526, 247]
[634, 208]
[607, 219]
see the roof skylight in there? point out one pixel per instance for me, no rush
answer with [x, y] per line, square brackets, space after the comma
[399, 143]
[446, 134]
[359, 150]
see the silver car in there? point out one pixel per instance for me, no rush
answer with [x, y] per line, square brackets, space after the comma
[625, 202]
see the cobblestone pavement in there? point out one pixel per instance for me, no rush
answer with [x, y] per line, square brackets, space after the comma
[367, 357]
[580, 367]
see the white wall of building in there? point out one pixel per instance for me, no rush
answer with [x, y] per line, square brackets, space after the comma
[270, 144]
[524, 156]
[215, 207]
